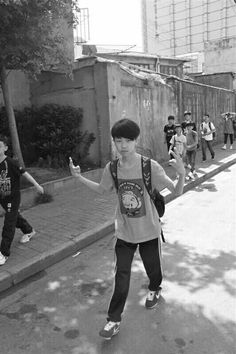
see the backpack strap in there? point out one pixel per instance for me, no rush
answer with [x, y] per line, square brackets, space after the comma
[147, 178]
[146, 173]
[113, 170]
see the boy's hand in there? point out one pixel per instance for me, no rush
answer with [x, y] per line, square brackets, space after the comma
[177, 162]
[40, 189]
[75, 170]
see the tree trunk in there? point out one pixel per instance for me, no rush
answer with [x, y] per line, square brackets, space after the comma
[11, 116]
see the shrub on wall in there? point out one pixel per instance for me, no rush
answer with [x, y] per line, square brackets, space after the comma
[51, 134]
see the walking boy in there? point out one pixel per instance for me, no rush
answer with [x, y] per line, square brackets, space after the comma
[169, 130]
[138, 222]
[207, 129]
[179, 141]
[191, 149]
[10, 174]
[228, 128]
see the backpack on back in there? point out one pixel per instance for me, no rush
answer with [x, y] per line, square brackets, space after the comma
[157, 199]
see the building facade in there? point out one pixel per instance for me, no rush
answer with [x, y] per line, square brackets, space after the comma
[176, 27]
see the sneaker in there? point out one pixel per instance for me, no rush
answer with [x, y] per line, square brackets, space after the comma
[191, 176]
[110, 329]
[203, 160]
[213, 157]
[152, 298]
[231, 147]
[27, 237]
[3, 259]
[224, 147]
[195, 173]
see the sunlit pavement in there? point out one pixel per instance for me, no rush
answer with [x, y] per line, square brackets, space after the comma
[61, 310]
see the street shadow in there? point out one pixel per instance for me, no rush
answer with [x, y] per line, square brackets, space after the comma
[205, 186]
[195, 271]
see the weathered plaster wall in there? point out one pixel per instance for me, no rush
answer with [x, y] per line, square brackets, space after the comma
[147, 102]
[87, 90]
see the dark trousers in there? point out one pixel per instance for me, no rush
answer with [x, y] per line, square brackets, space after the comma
[190, 159]
[231, 137]
[205, 144]
[13, 220]
[150, 255]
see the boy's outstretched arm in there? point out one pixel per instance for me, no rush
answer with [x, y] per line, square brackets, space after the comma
[34, 182]
[76, 172]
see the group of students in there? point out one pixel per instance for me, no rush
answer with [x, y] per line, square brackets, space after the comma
[185, 138]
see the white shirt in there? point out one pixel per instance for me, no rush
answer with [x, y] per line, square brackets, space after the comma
[205, 128]
[179, 141]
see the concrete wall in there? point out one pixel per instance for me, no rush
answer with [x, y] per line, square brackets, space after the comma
[87, 90]
[224, 80]
[20, 89]
[147, 102]
[104, 91]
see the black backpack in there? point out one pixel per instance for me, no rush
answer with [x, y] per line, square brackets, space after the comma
[155, 195]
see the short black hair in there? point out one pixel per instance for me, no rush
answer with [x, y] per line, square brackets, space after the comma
[190, 124]
[4, 139]
[178, 125]
[125, 128]
[171, 117]
[206, 115]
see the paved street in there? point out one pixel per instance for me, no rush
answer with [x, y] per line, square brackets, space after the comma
[61, 309]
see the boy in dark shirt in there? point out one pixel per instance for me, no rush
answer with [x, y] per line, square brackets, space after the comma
[10, 174]
[169, 130]
[188, 119]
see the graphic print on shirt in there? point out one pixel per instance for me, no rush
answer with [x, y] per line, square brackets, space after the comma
[131, 198]
[5, 184]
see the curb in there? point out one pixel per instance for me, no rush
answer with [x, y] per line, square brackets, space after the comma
[18, 273]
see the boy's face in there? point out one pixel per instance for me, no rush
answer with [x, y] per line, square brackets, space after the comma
[189, 128]
[178, 130]
[125, 146]
[206, 119]
[3, 148]
[171, 121]
[188, 117]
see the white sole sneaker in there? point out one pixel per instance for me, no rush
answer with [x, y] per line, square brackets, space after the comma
[3, 259]
[27, 237]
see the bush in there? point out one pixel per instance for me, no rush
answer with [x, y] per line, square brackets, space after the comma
[51, 134]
